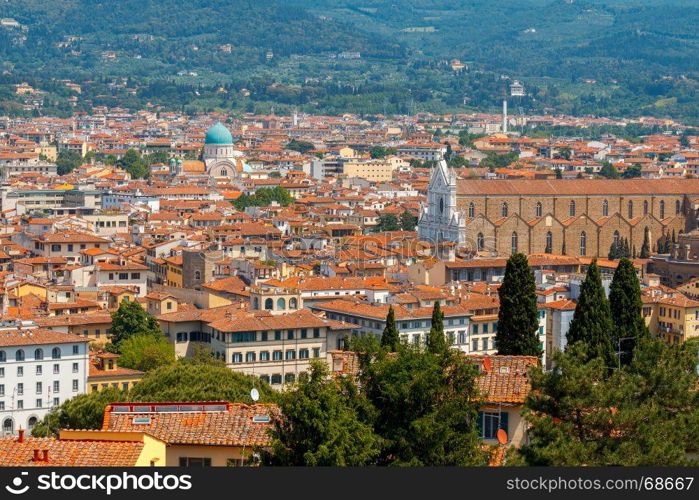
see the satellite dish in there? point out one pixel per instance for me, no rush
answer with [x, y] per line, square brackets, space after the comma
[254, 394]
[502, 436]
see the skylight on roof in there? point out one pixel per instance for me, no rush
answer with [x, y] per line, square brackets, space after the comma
[141, 420]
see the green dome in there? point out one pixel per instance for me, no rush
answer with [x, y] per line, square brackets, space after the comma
[218, 134]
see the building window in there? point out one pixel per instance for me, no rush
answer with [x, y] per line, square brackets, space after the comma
[630, 209]
[290, 354]
[293, 303]
[269, 304]
[39, 369]
[195, 462]
[289, 378]
[38, 354]
[475, 345]
[471, 210]
[303, 354]
[56, 386]
[56, 353]
[39, 388]
[56, 368]
[678, 207]
[549, 242]
[76, 385]
[538, 210]
[616, 238]
[479, 241]
[645, 207]
[281, 304]
[237, 357]
[490, 422]
[264, 356]
[250, 357]
[583, 243]
[662, 209]
[605, 208]
[515, 242]
[76, 349]
[19, 355]
[20, 371]
[3, 357]
[277, 355]
[571, 208]
[316, 333]
[276, 379]
[316, 351]
[504, 210]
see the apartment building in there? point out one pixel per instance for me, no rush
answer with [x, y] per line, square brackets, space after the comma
[39, 369]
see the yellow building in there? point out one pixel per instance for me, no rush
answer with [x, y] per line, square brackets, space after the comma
[670, 315]
[84, 448]
[105, 372]
[174, 271]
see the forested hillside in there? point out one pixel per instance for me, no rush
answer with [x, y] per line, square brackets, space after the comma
[615, 57]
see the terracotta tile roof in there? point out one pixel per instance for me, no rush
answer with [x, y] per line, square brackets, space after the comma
[62, 452]
[34, 336]
[232, 425]
[576, 187]
[504, 379]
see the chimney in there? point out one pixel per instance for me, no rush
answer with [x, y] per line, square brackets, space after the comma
[46, 455]
[20, 437]
[36, 456]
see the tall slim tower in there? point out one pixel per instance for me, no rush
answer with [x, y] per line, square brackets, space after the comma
[504, 116]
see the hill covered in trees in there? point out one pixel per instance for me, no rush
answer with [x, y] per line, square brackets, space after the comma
[613, 57]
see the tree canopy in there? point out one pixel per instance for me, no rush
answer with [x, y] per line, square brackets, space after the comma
[131, 319]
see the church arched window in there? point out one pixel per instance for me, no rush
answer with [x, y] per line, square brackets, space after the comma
[480, 242]
[583, 243]
[504, 210]
[645, 207]
[515, 242]
[224, 172]
[605, 208]
[549, 242]
[616, 238]
[678, 207]
[571, 208]
[538, 210]
[630, 206]
[662, 209]
[471, 210]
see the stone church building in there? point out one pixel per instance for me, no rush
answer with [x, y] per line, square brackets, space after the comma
[579, 217]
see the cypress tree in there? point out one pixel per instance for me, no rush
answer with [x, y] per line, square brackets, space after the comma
[592, 320]
[435, 339]
[613, 251]
[389, 337]
[518, 320]
[626, 309]
[645, 248]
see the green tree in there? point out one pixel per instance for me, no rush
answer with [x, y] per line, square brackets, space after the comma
[408, 221]
[424, 407]
[131, 319]
[592, 319]
[613, 251]
[146, 352]
[632, 171]
[388, 222]
[320, 424]
[84, 411]
[300, 146]
[645, 248]
[67, 161]
[436, 343]
[389, 338]
[186, 381]
[626, 308]
[518, 319]
[646, 413]
[132, 163]
[377, 152]
[609, 171]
